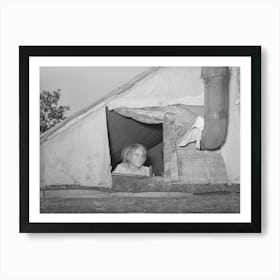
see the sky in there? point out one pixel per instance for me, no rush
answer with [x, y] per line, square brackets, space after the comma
[81, 86]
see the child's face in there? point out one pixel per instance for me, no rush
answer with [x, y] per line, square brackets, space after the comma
[137, 158]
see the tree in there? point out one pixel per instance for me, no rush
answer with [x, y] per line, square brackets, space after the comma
[51, 113]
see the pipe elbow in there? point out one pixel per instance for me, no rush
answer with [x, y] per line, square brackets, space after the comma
[214, 134]
[216, 107]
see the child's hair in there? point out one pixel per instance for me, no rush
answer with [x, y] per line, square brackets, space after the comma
[128, 150]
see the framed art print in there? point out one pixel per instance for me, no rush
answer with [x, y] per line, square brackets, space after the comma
[140, 138]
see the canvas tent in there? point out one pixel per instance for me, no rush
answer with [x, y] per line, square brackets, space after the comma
[150, 109]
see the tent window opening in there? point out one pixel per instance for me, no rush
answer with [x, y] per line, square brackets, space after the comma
[124, 131]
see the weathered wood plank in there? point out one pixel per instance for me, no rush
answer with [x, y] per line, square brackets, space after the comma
[122, 183]
[169, 148]
[80, 193]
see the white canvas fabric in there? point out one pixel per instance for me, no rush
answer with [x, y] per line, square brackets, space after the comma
[81, 154]
[231, 148]
[155, 115]
[167, 86]
[194, 134]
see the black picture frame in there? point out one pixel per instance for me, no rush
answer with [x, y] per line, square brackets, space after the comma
[254, 52]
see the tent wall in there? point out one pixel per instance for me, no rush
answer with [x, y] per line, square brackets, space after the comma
[155, 158]
[79, 155]
[167, 86]
[201, 167]
[231, 147]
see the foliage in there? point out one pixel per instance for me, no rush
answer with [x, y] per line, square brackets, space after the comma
[51, 113]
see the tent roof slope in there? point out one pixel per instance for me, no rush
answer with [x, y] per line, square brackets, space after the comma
[111, 94]
[168, 86]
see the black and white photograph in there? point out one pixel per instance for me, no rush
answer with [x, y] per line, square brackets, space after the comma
[140, 139]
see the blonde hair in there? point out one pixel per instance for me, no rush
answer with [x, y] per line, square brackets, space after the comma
[128, 150]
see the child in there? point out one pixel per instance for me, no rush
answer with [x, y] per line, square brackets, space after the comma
[133, 157]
